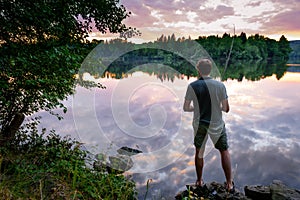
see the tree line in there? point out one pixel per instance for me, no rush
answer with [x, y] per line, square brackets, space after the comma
[254, 47]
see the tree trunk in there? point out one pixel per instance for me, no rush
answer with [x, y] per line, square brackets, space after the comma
[9, 134]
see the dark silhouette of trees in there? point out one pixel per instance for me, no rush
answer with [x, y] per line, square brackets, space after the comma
[255, 47]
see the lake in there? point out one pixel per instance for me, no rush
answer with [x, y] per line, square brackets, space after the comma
[144, 111]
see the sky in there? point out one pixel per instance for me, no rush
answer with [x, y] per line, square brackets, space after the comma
[153, 18]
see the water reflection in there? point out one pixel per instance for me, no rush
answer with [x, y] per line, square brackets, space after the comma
[263, 129]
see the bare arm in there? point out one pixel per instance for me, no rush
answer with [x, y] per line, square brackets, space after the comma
[187, 107]
[225, 105]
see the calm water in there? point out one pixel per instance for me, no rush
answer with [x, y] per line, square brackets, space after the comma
[143, 112]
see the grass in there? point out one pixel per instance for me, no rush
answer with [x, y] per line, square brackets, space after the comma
[40, 166]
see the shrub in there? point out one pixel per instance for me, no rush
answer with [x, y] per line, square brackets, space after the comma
[47, 166]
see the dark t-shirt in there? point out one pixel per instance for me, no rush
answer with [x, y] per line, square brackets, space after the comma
[207, 95]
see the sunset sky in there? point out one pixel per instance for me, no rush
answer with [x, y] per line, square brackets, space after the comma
[271, 18]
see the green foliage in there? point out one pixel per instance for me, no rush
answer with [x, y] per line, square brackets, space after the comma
[36, 78]
[255, 47]
[46, 166]
[41, 48]
[58, 20]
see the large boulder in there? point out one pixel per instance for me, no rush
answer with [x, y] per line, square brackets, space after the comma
[279, 191]
[258, 192]
[275, 191]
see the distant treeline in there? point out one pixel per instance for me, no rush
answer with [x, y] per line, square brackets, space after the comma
[238, 47]
[254, 47]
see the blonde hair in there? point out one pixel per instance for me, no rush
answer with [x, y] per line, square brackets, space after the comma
[204, 66]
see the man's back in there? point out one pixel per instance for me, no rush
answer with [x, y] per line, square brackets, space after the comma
[210, 99]
[207, 95]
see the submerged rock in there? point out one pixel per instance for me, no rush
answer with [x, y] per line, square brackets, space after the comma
[116, 163]
[120, 163]
[128, 151]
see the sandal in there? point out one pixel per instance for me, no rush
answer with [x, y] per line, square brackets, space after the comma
[230, 190]
[199, 183]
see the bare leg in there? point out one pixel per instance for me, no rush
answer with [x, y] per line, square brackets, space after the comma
[199, 163]
[226, 165]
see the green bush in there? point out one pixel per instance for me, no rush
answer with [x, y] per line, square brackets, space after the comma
[47, 166]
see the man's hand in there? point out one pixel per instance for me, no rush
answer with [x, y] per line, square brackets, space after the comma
[225, 105]
[187, 107]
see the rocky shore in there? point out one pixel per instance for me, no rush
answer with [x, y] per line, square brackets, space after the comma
[216, 191]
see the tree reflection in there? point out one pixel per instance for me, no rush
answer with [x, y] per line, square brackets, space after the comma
[240, 70]
[254, 71]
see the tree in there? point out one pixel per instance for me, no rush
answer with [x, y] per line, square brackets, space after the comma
[284, 47]
[42, 44]
[243, 37]
[58, 20]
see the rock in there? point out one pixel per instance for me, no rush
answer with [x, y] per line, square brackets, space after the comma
[116, 163]
[128, 151]
[212, 191]
[216, 191]
[279, 191]
[120, 162]
[258, 192]
[276, 191]
[101, 163]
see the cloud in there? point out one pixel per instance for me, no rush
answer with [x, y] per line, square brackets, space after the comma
[141, 14]
[172, 13]
[254, 4]
[286, 21]
[209, 17]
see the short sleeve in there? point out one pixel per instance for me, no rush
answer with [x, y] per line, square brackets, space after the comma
[223, 93]
[189, 93]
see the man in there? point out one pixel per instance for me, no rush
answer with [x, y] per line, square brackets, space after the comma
[209, 99]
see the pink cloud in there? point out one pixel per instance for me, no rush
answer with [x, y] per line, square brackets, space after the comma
[212, 14]
[287, 21]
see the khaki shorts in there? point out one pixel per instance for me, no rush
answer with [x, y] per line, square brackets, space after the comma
[219, 140]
